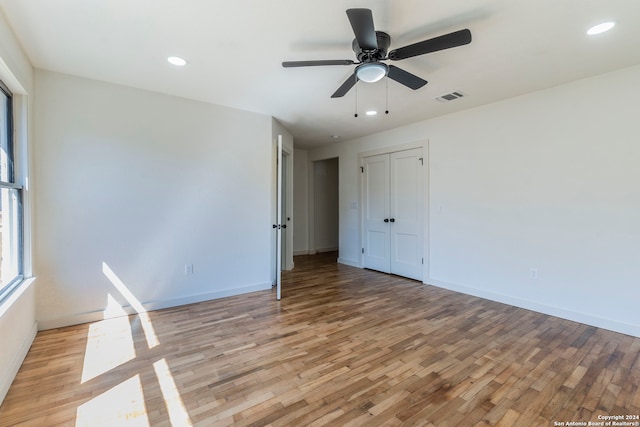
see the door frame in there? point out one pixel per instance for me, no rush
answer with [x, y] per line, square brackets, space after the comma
[287, 260]
[278, 217]
[287, 204]
[424, 144]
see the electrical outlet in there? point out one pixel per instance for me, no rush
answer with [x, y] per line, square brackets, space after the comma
[188, 269]
[533, 274]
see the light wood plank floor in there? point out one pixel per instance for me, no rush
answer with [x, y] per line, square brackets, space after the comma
[344, 347]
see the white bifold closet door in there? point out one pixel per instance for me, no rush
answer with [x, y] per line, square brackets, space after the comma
[392, 203]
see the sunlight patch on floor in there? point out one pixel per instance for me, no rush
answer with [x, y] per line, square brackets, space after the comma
[109, 343]
[123, 405]
[178, 414]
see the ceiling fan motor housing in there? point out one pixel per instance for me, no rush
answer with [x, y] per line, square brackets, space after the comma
[384, 41]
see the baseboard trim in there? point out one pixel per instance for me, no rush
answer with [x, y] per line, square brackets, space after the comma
[9, 372]
[331, 249]
[315, 251]
[97, 315]
[349, 262]
[588, 319]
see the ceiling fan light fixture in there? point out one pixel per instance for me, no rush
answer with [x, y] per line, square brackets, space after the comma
[371, 72]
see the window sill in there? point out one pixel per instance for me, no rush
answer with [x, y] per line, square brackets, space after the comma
[14, 294]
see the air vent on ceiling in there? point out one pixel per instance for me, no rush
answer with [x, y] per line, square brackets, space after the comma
[450, 96]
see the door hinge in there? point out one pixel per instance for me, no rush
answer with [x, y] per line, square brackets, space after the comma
[421, 161]
[423, 260]
[362, 250]
[361, 169]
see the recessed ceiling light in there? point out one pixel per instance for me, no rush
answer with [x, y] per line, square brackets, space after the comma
[335, 136]
[600, 28]
[176, 60]
[371, 113]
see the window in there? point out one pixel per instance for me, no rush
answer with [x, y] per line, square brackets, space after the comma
[10, 201]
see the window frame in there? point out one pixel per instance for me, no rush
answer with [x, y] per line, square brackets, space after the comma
[11, 184]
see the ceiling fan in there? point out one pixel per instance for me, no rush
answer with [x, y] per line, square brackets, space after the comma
[370, 47]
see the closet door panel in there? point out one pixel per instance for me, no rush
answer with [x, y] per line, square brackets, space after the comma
[406, 213]
[376, 210]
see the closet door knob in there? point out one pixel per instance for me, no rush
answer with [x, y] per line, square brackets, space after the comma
[392, 220]
[386, 220]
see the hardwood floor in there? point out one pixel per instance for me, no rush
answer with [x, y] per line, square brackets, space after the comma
[344, 347]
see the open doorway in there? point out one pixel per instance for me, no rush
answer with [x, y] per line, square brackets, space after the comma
[325, 225]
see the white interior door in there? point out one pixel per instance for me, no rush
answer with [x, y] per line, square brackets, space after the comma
[376, 213]
[406, 213]
[392, 213]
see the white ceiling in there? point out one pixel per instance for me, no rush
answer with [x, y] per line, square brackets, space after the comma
[235, 50]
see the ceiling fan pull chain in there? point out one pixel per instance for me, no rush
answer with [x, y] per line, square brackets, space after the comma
[386, 111]
[356, 85]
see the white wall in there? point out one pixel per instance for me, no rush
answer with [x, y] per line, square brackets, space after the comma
[17, 314]
[325, 205]
[143, 184]
[548, 180]
[300, 203]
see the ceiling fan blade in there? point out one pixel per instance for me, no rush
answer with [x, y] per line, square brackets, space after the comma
[362, 23]
[447, 41]
[291, 64]
[346, 86]
[406, 78]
